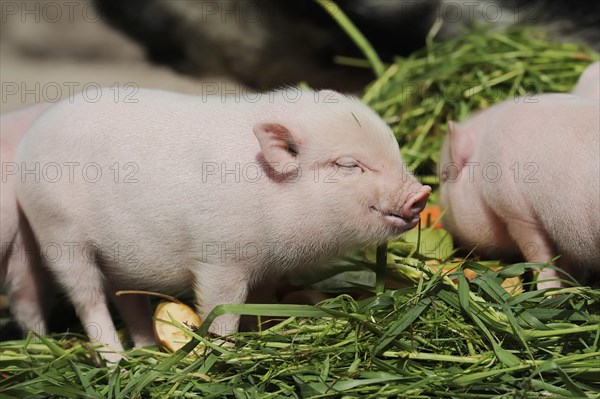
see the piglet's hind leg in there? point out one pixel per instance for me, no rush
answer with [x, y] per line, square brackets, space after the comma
[83, 281]
[30, 285]
[536, 248]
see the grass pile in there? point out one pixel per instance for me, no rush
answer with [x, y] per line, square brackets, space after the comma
[434, 339]
[440, 336]
[446, 81]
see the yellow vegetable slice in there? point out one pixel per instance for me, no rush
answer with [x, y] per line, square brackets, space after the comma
[171, 337]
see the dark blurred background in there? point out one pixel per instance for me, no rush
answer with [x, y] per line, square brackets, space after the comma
[200, 45]
[266, 43]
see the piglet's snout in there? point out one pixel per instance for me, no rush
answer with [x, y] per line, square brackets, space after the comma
[415, 203]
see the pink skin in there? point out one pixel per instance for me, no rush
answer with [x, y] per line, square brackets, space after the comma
[551, 206]
[588, 85]
[330, 178]
[28, 287]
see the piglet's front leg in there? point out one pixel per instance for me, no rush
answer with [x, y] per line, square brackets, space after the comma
[216, 285]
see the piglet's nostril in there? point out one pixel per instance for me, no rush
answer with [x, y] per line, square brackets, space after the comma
[415, 203]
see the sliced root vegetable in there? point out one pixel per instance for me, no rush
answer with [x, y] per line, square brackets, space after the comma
[513, 285]
[431, 216]
[170, 336]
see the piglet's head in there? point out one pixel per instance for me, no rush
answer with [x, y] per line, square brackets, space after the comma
[348, 177]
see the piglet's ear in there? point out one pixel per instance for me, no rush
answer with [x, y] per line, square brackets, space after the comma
[278, 146]
[462, 143]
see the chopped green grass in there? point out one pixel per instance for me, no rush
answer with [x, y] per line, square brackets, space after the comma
[435, 338]
[440, 336]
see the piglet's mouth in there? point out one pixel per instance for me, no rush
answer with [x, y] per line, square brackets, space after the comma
[396, 220]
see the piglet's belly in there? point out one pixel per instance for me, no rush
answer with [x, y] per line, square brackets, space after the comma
[168, 274]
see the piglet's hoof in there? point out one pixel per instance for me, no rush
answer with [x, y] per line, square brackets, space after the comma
[305, 297]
